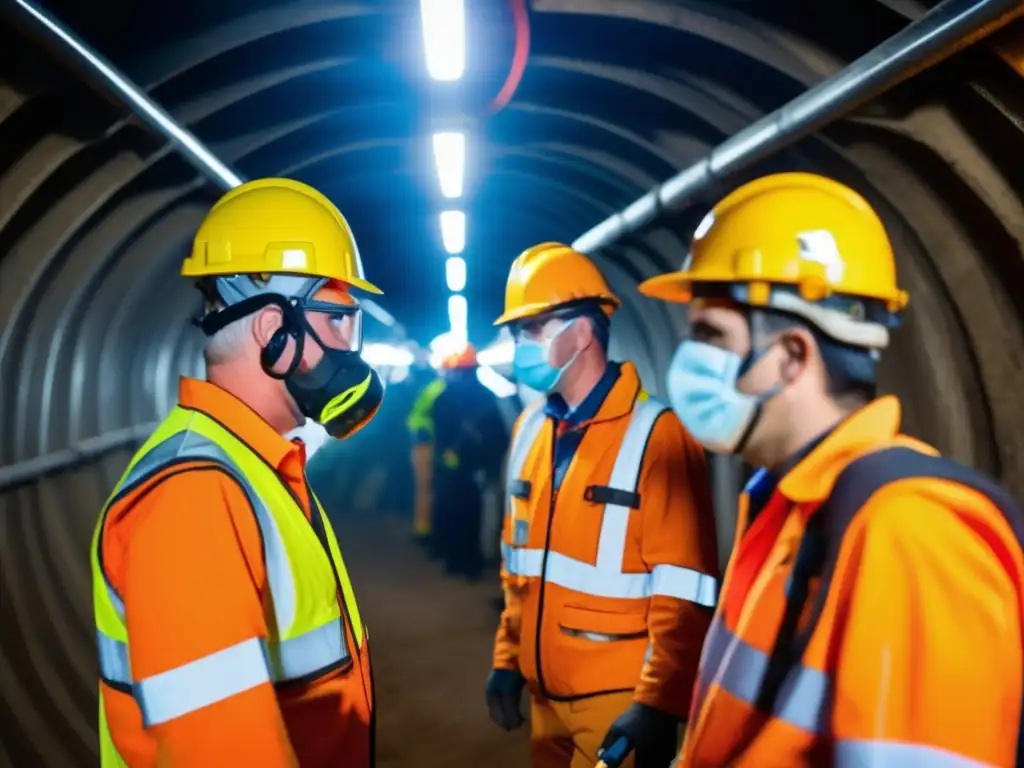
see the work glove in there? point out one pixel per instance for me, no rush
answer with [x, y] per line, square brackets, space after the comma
[650, 733]
[504, 686]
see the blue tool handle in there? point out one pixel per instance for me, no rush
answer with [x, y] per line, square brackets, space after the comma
[616, 753]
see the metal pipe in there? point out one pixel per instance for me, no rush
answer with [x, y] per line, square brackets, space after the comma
[938, 34]
[84, 451]
[42, 26]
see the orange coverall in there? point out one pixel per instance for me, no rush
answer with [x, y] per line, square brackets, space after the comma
[916, 661]
[188, 561]
[595, 642]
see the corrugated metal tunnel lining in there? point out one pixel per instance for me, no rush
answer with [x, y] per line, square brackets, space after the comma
[95, 214]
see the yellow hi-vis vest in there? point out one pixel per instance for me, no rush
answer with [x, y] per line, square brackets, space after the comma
[304, 618]
[421, 417]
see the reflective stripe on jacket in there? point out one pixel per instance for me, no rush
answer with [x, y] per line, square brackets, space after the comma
[627, 549]
[309, 635]
[915, 661]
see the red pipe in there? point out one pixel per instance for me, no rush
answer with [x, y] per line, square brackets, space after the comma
[519, 58]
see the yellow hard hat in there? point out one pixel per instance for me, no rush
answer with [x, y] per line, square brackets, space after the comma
[549, 276]
[816, 239]
[276, 226]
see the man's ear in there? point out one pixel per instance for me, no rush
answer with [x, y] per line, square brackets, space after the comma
[585, 335]
[266, 322]
[799, 346]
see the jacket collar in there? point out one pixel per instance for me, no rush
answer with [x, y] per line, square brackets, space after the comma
[875, 425]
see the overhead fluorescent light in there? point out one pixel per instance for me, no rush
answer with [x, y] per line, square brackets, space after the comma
[450, 159]
[458, 318]
[455, 273]
[495, 382]
[379, 355]
[444, 345]
[453, 231]
[498, 354]
[444, 38]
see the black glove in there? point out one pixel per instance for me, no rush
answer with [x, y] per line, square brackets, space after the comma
[651, 733]
[504, 687]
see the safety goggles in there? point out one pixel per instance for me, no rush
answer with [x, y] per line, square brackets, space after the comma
[336, 326]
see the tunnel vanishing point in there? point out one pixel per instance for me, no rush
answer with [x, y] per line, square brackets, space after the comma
[96, 210]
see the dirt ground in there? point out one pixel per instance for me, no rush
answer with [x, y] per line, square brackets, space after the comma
[431, 642]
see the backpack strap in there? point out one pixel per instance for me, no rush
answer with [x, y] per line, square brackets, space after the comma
[819, 547]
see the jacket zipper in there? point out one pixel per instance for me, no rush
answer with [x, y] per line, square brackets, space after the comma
[544, 564]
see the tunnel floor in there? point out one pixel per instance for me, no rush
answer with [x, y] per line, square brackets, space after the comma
[431, 639]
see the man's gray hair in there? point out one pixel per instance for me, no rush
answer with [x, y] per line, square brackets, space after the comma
[227, 343]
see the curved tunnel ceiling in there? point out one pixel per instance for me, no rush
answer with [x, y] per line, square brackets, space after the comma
[95, 213]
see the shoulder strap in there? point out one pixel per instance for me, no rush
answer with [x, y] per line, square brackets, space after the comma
[819, 548]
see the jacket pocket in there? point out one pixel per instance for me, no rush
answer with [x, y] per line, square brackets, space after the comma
[602, 626]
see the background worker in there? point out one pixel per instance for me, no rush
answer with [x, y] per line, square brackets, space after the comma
[421, 431]
[909, 652]
[470, 445]
[228, 629]
[609, 499]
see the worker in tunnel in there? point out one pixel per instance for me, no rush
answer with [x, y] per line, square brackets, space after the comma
[228, 629]
[421, 431]
[609, 547]
[470, 441]
[871, 612]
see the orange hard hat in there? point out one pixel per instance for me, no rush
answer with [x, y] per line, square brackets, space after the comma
[466, 358]
[549, 276]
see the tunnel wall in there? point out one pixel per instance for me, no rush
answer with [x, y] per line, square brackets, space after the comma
[94, 214]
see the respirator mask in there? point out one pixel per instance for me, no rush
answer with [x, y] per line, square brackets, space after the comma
[341, 392]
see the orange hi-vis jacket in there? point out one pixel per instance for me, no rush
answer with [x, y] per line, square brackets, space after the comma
[202, 575]
[916, 658]
[627, 549]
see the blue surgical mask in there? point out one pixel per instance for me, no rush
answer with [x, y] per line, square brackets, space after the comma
[532, 363]
[702, 388]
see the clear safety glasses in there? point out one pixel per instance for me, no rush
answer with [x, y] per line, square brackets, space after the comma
[542, 328]
[338, 326]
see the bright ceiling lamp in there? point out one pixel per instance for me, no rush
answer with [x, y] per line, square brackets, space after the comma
[444, 345]
[498, 354]
[495, 382]
[453, 231]
[458, 318]
[444, 38]
[455, 273]
[450, 159]
[380, 355]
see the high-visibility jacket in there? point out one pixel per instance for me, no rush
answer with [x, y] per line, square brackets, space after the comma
[421, 426]
[915, 660]
[195, 711]
[627, 551]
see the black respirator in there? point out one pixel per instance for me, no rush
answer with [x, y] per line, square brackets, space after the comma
[341, 392]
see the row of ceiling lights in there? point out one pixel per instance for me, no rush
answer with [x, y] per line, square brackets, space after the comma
[444, 43]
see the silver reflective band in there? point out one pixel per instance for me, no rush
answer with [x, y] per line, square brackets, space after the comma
[114, 664]
[870, 753]
[673, 581]
[684, 584]
[203, 682]
[529, 428]
[804, 700]
[605, 578]
[290, 659]
[308, 653]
